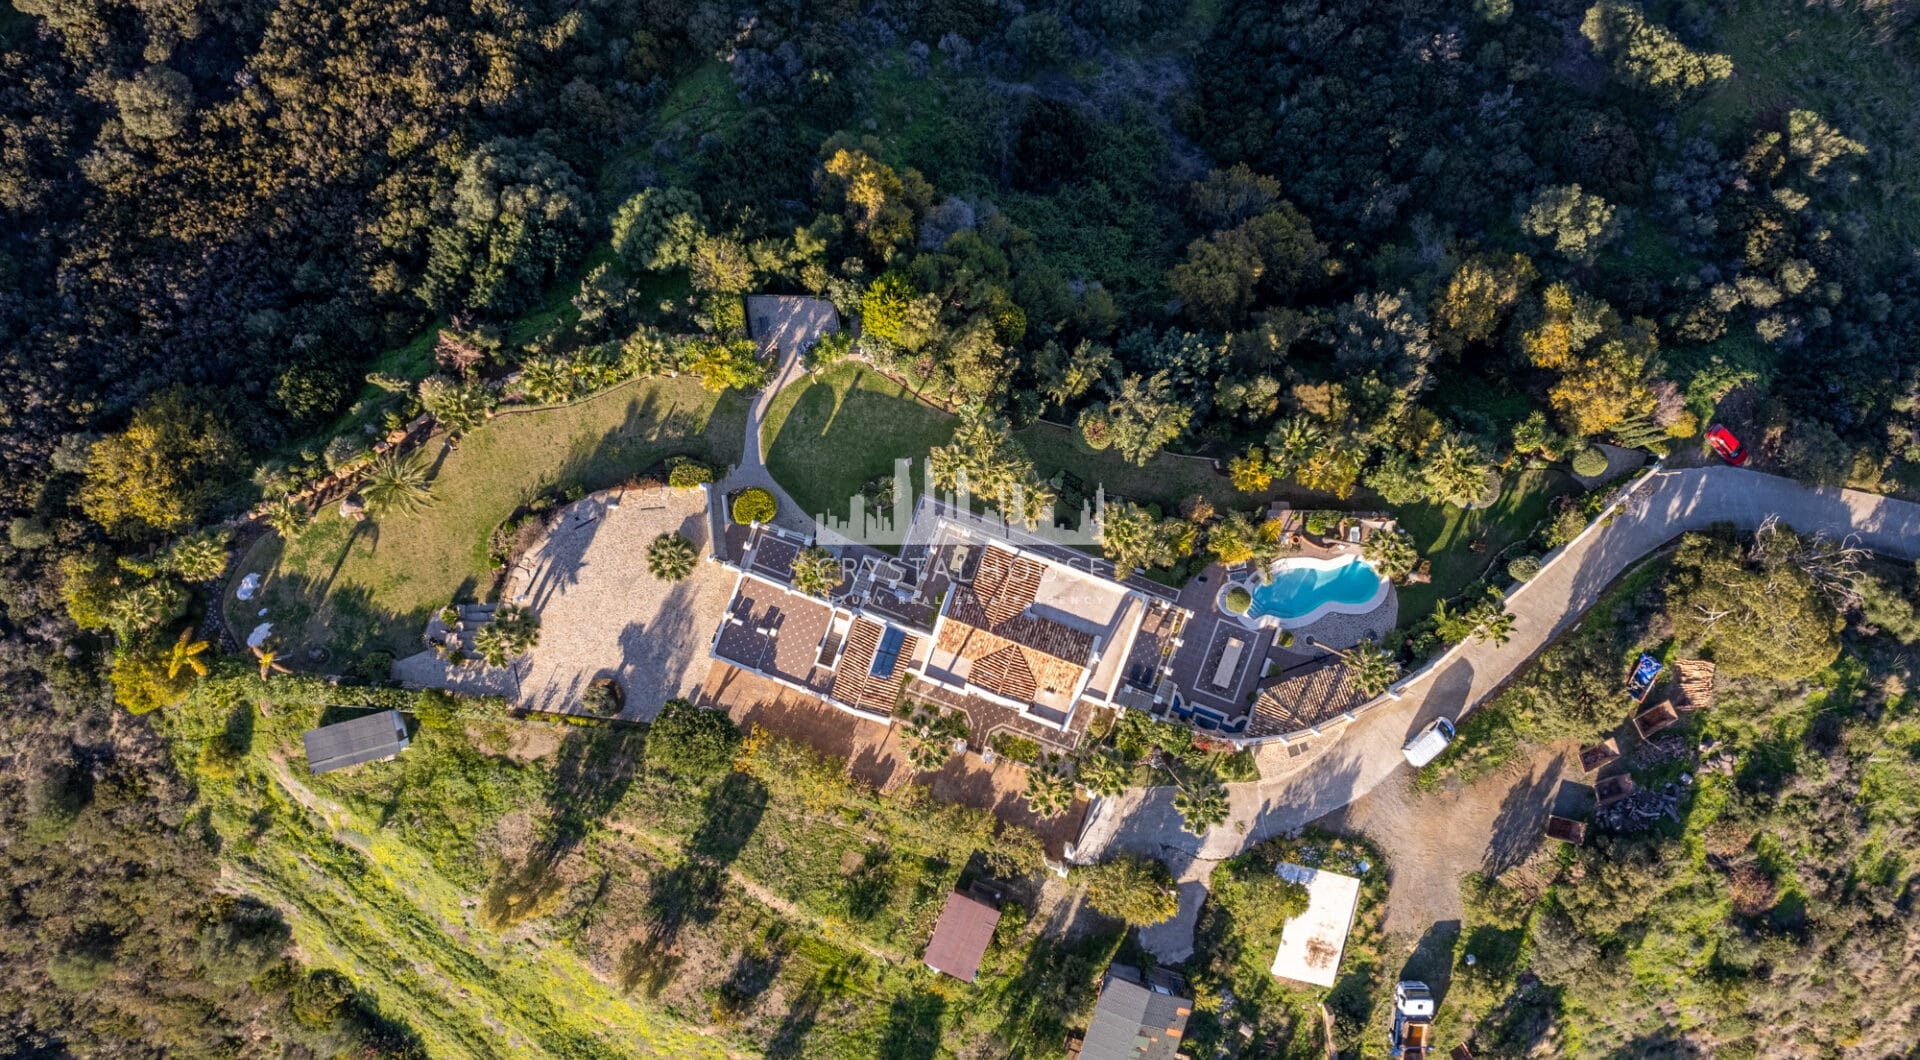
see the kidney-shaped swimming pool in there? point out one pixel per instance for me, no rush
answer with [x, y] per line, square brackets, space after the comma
[1304, 589]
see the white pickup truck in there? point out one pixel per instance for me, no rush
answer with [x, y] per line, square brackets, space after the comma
[1429, 742]
[1412, 1037]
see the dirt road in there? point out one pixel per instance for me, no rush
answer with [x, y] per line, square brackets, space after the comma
[1434, 840]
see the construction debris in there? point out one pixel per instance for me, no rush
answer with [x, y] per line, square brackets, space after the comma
[1642, 809]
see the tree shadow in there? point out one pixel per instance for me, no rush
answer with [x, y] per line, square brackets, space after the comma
[1432, 959]
[690, 893]
[913, 1027]
[592, 772]
[1522, 818]
[789, 1040]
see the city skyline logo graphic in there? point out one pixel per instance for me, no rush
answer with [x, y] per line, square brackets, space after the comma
[887, 526]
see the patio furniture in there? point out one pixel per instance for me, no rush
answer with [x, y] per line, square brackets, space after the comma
[1229, 662]
[1565, 829]
[1599, 755]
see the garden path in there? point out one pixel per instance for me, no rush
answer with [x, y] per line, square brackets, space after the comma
[752, 469]
[1309, 781]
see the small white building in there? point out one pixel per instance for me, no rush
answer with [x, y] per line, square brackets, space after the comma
[1312, 943]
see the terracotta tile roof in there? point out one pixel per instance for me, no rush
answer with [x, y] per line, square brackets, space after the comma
[854, 684]
[1007, 673]
[1305, 697]
[1031, 631]
[992, 655]
[1006, 583]
[960, 938]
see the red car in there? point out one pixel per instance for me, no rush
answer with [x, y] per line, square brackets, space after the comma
[1726, 445]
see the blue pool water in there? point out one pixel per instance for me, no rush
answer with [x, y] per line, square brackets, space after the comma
[1298, 588]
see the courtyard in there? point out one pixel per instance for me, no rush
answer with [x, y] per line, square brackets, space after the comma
[602, 614]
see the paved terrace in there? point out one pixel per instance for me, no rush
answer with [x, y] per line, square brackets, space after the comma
[776, 632]
[1301, 785]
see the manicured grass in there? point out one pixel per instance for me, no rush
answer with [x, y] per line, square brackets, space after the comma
[362, 587]
[1444, 534]
[826, 437]
[1166, 480]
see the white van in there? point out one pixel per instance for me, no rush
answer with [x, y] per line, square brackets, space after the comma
[1427, 745]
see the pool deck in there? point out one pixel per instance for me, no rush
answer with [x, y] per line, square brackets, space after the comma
[1205, 676]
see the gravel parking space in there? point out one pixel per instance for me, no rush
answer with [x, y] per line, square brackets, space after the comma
[601, 613]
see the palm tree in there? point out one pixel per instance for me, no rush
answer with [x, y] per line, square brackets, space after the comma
[671, 557]
[1371, 668]
[930, 737]
[1201, 808]
[186, 656]
[1103, 774]
[269, 662]
[1491, 620]
[286, 516]
[1456, 471]
[395, 485]
[1049, 789]
[513, 632]
[816, 572]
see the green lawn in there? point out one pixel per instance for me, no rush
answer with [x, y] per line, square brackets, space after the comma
[1166, 480]
[365, 587]
[1444, 535]
[826, 437]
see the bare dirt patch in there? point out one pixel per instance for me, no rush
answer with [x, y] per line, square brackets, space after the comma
[1432, 841]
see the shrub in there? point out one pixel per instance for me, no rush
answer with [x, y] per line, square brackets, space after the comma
[754, 505]
[602, 697]
[1524, 568]
[1590, 462]
[1239, 601]
[1319, 522]
[691, 742]
[29, 532]
[1136, 889]
[1017, 748]
[688, 473]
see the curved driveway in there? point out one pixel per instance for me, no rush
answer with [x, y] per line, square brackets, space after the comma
[1332, 770]
[752, 470]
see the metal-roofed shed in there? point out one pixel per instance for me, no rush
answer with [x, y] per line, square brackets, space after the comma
[356, 741]
[1137, 1018]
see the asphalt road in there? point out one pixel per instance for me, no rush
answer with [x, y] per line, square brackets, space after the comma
[1340, 767]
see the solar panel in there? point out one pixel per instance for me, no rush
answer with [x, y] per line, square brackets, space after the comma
[885, 656]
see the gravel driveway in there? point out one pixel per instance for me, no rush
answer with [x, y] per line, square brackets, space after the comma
[601, 613]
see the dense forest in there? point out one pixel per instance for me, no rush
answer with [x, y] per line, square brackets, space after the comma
[1370, 250]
